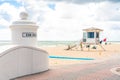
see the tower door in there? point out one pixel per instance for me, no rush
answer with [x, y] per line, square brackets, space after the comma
[97, 34]
[84, 36]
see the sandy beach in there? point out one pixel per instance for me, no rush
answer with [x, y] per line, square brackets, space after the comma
[98, 54]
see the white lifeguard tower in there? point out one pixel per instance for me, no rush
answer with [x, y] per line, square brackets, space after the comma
[91, 35]
[23, 57]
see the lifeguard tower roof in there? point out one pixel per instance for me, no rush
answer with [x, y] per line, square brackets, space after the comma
[93, 29]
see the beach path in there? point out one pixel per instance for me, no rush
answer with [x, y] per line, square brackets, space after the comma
[90, 71]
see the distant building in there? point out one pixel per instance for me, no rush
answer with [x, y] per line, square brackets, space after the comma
[91, 35]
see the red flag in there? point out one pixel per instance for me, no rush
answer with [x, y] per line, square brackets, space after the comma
[104, 40]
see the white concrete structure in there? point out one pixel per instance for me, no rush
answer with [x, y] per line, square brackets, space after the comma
[22, 58]
[91, 35]
[16, 61]
[24, 32]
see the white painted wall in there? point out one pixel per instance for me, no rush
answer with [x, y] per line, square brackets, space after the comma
[23, 27]
[17, 34]
[26, 58]
[90, 40]
[18, 61]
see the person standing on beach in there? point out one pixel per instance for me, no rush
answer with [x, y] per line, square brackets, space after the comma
[81, 46]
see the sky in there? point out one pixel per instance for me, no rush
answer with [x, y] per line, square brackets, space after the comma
[63, 20]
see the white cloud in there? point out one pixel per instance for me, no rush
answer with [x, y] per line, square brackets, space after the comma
[11, 11]
[13, 14]
[108, 11]
[67, 20]
[5, 34]
[3, 23]
[84, 1]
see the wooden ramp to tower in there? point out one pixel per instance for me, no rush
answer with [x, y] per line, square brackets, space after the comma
[75, 45]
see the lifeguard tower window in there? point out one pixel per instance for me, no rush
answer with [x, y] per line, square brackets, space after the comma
[90, 34]
[84, 35]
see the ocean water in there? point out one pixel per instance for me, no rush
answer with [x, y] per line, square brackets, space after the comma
[5, 43]
[43, 43]
[54, 43]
